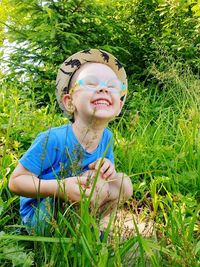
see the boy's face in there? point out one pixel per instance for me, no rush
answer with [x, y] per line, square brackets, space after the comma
[95, 93]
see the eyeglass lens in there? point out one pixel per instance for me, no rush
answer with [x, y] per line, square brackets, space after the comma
[93, 83]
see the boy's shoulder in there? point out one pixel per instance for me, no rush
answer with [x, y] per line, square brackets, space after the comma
[107, 135]
[56, 130]
[108, 132]
[55, 133]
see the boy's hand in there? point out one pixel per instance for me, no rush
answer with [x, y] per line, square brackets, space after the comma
[107, 169]
[71, 188]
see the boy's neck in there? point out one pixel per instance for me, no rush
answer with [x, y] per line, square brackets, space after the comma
[88, 135]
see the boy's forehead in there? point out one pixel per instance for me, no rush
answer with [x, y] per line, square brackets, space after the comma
[97, 69]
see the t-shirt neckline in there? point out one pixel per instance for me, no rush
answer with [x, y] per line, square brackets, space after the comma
[77, 142]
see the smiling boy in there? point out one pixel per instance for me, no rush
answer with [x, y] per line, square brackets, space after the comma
[92, 87]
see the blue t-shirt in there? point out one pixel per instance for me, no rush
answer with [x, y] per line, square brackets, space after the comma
[57, 154]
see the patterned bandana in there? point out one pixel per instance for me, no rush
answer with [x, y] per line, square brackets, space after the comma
[74, 62]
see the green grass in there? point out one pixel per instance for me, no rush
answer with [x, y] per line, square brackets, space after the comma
[156, 143]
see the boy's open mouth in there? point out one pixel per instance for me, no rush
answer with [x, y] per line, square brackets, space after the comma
[101, 102]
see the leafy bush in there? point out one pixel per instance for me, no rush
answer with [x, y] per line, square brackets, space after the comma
[140, 33]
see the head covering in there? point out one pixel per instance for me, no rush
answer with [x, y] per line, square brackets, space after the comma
[74, 62]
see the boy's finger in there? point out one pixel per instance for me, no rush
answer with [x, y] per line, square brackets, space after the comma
[97, 165]
[83, 181]
[87, 192]
[92, 165]
[110, 173]
[105, 166]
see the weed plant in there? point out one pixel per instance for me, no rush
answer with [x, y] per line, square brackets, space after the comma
[156, 144]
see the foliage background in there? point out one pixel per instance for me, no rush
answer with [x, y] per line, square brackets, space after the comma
[157, 134]
[142, 33]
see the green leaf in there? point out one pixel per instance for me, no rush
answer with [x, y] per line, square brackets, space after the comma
[103, 256]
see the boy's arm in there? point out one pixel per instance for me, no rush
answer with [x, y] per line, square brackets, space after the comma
[24, 183]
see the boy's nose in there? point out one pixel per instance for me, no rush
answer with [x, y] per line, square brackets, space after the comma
[102, 87]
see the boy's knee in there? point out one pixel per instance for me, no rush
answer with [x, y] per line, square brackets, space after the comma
[125, 186]
[102, 188]
[101, 192]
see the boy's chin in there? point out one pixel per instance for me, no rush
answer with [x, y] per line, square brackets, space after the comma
[104, 118]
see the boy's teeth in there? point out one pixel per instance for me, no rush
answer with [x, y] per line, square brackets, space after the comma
[101, 102]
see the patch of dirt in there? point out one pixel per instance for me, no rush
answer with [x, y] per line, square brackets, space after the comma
[126, 224]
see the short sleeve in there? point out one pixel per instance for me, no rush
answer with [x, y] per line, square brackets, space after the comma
[41, 154]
